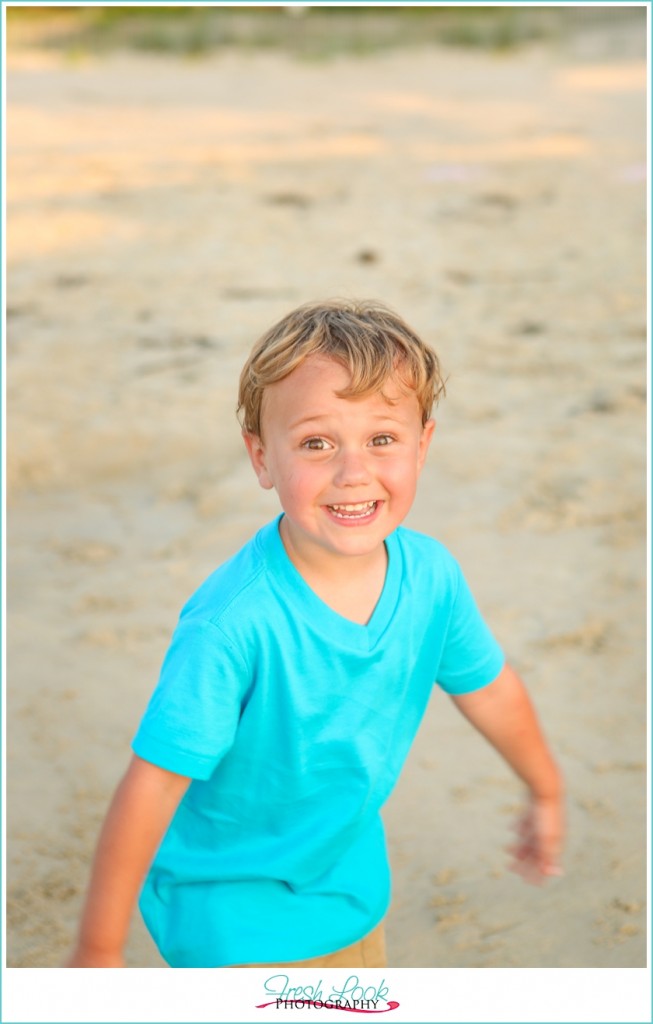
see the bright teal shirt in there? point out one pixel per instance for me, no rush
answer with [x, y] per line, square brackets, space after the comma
[294, 724]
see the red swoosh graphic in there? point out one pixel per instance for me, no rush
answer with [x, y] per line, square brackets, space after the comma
[326, 1005]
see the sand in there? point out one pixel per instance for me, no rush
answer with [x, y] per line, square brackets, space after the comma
[162, 213]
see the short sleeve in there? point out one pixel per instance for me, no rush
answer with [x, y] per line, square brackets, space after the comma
[471, 657]
[191, 719]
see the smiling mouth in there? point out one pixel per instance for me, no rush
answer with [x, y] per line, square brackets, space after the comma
[357, 511]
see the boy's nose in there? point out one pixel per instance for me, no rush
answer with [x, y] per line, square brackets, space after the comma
[352, 470]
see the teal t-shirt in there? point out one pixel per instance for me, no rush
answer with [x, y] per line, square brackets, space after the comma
[294, 723]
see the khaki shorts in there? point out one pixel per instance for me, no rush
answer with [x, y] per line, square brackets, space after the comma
[367, 952]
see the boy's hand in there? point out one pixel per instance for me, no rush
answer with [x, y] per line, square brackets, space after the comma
[503, 713]
[540, 831]
[94, 958]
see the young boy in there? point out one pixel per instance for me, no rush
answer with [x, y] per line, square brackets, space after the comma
[298, 675]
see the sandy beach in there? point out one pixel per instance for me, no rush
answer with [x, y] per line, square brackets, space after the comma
[162, 212]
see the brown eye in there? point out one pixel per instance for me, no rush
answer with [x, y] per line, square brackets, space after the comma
[382, 439]
[314, 444]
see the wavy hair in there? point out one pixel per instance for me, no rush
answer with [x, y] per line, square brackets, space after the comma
[372, 342]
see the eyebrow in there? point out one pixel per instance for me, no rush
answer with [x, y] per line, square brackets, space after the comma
[319, 417]
[307, 419]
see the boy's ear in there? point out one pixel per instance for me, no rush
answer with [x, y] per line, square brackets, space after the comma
[424, 442]
[256, 453]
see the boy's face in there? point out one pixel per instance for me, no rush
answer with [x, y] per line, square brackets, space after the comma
[345, 469]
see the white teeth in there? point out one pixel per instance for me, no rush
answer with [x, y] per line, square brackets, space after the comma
[358, 511]
[354, 508]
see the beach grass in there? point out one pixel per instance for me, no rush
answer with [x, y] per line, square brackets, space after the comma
[304, 31]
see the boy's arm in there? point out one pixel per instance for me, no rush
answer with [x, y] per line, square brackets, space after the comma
[138, 817]
[504, 714]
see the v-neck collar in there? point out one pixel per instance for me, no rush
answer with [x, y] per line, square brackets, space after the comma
[296, 592]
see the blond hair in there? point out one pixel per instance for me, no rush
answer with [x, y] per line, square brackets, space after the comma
[371, 341]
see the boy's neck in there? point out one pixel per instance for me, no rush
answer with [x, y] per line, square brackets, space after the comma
[350, 585]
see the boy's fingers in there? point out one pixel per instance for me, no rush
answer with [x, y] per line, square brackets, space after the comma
[550, 847]
[522, 828]
[530, 866]
[549, 868]
[553, 870]
[520, 850]
[526, 871]
[536, 849]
